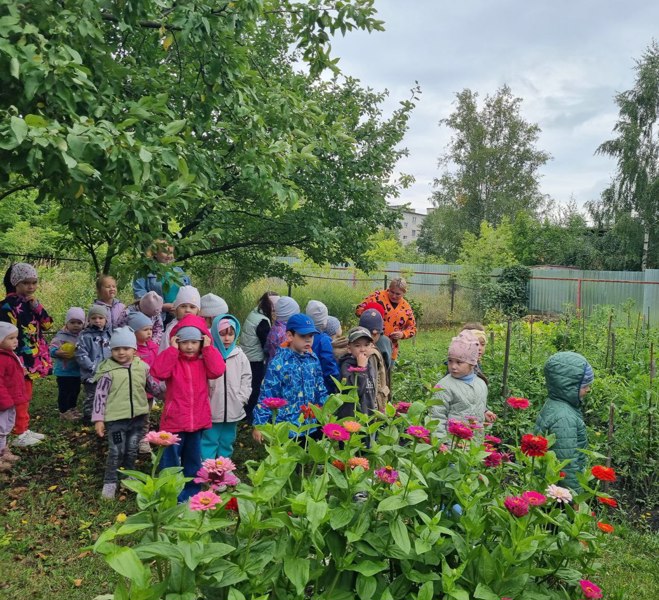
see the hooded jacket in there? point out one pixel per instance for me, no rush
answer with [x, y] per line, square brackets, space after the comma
[121, 392]
[64, 367]
[187, 405]
[92, 348]
[460, 399]
[230, 393]
[561, 413]
[367, 387]
[322, 348]
[115, 311]
[12, 380]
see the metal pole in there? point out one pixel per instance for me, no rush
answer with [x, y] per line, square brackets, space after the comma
[290, 289]
[506, 358]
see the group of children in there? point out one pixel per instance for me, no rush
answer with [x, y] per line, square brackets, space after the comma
[209, 382]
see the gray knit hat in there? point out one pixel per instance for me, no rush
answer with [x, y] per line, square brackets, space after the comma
[189, 334]
[285, 308]
[187, 295]
[318, 313]
[123, 337]
[138, 320]
[333, 326]
[212, 306]
[97, 309]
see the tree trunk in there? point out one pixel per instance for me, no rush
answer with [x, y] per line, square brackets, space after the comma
[646, 243]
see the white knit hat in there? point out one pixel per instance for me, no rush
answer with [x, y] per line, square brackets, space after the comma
[188, 295]
[21, 272]
[212, 306]
[6, 329]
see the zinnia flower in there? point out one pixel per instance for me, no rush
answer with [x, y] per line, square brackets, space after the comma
[336, 432]
[534, 445]
[438, 387]
[534, 498]
[443, 448]
[232, 504]
[558, 493]
[603, 473]
[220, 463]
[605, 527]
[518, 403]
[351, 426]
[387, 474]
[204, 501]
[417, 431]
[460, 430]
[493, 459]
[339, 464]
[492, 439]
[356, 369]
[608, 501]
[473, 422]
[562, 474]
[516, 506]
[358, 461]
[589, 589]
[274, 403]
[402, 407]
[162, 438]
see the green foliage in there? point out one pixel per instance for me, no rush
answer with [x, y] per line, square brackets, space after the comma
[509, 293]
[194, 123]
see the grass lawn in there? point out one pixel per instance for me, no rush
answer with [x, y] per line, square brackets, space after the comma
[50, 509]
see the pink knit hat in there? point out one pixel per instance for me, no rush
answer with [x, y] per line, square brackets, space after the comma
[75, 313]
[224, 324]
[464, 348]
[188, 294]
[150, 304]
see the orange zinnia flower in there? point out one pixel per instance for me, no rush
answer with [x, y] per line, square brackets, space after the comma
[608, 501]
[603, 473]
[605, 527]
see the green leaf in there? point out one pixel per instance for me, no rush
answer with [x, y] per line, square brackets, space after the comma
[316, 511]
[19, 127]
[400, 534]
[174, 127]
[340, 517]
[235, 594]
[145, 155]
[426, 591]
[14, 67]
[69, 160]
[297, 571]
[126, 562]
[485, 593]
[459, 594]
[369, 567]
[366, 586]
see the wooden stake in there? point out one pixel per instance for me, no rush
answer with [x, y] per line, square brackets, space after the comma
[506, 358]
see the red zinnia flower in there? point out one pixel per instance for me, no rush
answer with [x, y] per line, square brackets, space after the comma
[339, 464]
[534, 498]
[492, 439]
[274, 403]
[589, 589]
[232, 505]
[518, 403]
[605, 527]
[460, 430]
[562, 474]
[307, 411]
[534, 445]
[516, 505]
[603, 473]
[402, 407]
[493, 459]
[608, 501]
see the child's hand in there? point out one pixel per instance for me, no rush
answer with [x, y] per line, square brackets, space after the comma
[206, 341]
[257, 436]
[362, 359]
[395, 335]
[490, 417]
[174, 342]
[100, 428]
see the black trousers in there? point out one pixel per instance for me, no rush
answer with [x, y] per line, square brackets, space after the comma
[68, 390]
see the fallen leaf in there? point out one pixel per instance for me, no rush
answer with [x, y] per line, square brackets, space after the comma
[52, 488]
[77, 582]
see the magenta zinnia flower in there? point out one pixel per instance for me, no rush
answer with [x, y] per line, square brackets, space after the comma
[417, 431]
[204, 501]
[493, 459]
[356, 369]
[460, 430]
[274, 403]
[162, 438]
[402, 407]
[518, 403]
[589, 589]
[387, 474]
[516, 506]
[336, 432]
[534, 498]
[492, 439]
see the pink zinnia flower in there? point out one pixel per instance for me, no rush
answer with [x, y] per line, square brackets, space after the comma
[534, 498]
[402, 407]
[473, 422]
[417, 431]
[516, 506]
[162, 438]
[219, 464]
[438, 387]
[204, 501]
[230, 479]
[589, 589]
[443, 448]
[358, 461]
[492, 439]
[460, 430]
[387, 474]
[356, 369]
[493, 459]
[518, 403]
[336, 432]
[274, 403]
[558, 493]
[351, 426]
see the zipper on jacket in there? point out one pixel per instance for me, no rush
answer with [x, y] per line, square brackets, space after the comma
[130, 390]
[225, 394]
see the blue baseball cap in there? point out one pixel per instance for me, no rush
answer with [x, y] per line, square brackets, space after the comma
[301, 324]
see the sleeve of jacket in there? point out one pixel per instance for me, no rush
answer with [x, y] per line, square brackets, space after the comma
[262, 331]
[6, 400]
[45, 320]
[55, 344]
[270, 388]
[213, 362]
[409, 330]
[328, 363]
[320, 390]
[440, 412]
[245, 379]
[139, 287]
[164, 364]
[101, 397]
[122, 319]
[82, 354]
[362, 307]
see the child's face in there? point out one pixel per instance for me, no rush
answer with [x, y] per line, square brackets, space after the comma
[10, 342]
[26, 288]
[299, 343]
[376, 335]
[74, 326]
[186, 309]
[360, 347]
[458, 368]
[123, 355]
[189, 347]
[481, 349]
[164, 254]
[228, 336]
[108, 289]
[144, 335]
[583, 391]
[98, 321]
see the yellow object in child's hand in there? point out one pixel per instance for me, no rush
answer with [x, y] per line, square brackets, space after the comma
[68, 349]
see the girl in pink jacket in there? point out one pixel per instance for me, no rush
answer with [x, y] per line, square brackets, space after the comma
[185, 367]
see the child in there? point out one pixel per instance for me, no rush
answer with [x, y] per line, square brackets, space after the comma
[120, 405]
[372, 321]
[569, 377]
[93, 348]
[211, 306]
[478, 331]
[66, 369]
[229, 393]
[294, 374]
[462, 393]
[187, 302]
[151, 305]
[357, 369]
[12, 390]
[339, 341]
[147, 350]
[322, 344]
[22, 309]
[106, 290]
[253, 341]
[185, 367]
[285, 308]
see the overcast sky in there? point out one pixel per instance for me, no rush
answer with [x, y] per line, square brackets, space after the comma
[565, 59]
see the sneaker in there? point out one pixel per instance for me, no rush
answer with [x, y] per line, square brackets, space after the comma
[35, 435]
[144, 447]
[8, 456]
[25, 439]
[69, 415]
[109, 491]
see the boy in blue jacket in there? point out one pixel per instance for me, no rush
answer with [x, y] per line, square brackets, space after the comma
[294, 374]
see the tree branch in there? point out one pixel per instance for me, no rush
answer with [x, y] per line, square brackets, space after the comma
[238, 245]
[18, 188]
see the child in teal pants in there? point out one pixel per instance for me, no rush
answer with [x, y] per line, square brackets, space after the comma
[228, 394]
